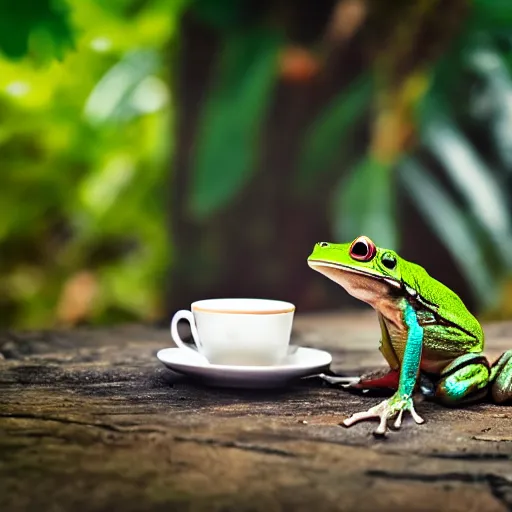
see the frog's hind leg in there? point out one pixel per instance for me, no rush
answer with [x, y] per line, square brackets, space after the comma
[501, 378]
[380, 379]
[387, 378]
[464, 380]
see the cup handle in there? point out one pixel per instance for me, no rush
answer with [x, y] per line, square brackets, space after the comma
[184, 314]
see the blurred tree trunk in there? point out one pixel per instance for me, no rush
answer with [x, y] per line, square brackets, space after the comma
[259, 244]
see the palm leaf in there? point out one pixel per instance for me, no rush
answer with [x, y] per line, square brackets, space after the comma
[229, 132]
[451, 226]
[474, 181]
[327, 136]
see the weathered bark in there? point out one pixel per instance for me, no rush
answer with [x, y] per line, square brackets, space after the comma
[90, 420]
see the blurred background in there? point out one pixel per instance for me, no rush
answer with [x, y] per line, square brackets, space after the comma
[154, 152]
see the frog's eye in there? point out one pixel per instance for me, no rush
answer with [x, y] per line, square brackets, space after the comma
[323, 244]
[389, 261]
[362, 249]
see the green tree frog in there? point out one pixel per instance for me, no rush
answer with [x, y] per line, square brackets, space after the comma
[428, 337]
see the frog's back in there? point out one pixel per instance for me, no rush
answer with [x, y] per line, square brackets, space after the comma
[445, 302]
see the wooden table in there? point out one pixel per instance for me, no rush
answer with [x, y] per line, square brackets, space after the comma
[90, 420]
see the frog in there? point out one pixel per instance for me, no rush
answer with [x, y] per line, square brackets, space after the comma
[432, 343]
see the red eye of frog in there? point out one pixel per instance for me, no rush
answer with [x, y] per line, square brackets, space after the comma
[362, 249]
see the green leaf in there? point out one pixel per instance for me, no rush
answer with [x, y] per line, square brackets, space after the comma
[473, 179]
[221, 14]
[326, 137]
[492, 14]
[490, 104]
[364, 204]
[100, 189]
[113, 97]
[46, 20]
[452, 227]
[229, 131]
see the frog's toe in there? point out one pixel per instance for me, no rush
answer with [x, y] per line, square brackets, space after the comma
[382, 411]
[398, 421]
[345, 382]
[360, 416]
[415, 416]
[385, 411]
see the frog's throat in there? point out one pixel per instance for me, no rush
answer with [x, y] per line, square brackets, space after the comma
[318, 264]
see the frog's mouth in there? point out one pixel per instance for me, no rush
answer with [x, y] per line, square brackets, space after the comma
[336, 271]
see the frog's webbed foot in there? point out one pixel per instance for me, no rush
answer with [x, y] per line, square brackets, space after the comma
[385, 411]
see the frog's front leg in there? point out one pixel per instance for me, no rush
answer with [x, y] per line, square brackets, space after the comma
[402, 400]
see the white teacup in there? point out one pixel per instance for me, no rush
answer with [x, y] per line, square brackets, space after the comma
[248, 332]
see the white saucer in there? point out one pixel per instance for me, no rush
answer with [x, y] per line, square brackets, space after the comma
[300, 362]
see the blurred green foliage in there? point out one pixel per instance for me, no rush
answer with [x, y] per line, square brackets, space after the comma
[464, 124]
[232, 118]
[457, 106]
[87, 134]
[85, 140]
[41, 26]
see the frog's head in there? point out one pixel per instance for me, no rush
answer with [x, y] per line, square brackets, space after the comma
[363, 269]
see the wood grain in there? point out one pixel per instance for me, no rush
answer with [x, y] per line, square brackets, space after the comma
[90, 420]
